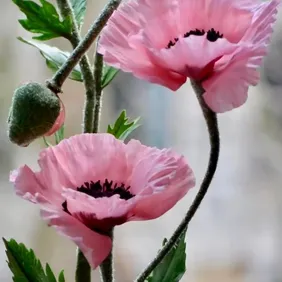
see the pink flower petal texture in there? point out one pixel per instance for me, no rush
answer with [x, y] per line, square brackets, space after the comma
[219, 43]
[89, 183]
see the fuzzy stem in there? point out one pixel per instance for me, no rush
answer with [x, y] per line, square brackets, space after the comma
[65, 9]
[61, 75]
[98, 71]
[106, 267]
[83, 270]
[211, 121]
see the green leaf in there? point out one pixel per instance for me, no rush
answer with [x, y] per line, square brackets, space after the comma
[50, 275]
[108, 75]
[61, 276]
[43, 20]
[79, 9]
[25, 266]
[122, 128]
[60, 135]
[46, 142]
[55, 57]
[172, 267]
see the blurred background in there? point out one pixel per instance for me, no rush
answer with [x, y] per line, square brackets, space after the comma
[236, 236]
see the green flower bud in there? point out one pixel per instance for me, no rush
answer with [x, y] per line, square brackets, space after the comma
[33, 113]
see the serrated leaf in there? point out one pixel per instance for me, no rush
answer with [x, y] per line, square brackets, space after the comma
[50, 275]
[46, 142]
[25, 266]
[79, 9]
[108, 75]
[23, 263]
[43, 20]
[133, 125]
[54, 57]
[61, 277]
[19, 275]
[59, 136]
[172, 267]
[122, 128]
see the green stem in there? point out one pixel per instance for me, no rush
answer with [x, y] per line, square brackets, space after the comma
[65, 9]
[98, 72]
[212, 125]
[106, 267]
[83, 270]
[61, 75]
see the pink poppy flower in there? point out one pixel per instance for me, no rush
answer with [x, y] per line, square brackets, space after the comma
[219, 43]
[91, 182]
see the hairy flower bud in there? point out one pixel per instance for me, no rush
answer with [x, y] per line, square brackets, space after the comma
[35, 111]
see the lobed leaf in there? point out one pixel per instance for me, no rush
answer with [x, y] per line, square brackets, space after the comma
[109, 74]
[172, 267]
[122, 128]
[43, 20]
[25, 266]
[55, 57]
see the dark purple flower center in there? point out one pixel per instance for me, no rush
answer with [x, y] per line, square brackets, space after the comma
[211, 35]
[106, 189]
[99, 190]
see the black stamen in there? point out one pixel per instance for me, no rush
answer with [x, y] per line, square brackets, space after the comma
[213, 35]
[107, 189]
[98, 190]
[65, 207]
[196, 32]
[170, 44]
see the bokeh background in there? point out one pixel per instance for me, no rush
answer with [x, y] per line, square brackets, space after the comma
[236, 236]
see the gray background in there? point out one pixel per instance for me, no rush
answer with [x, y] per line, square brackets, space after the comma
[235, 236]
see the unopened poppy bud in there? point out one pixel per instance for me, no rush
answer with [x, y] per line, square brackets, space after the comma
[35, 111]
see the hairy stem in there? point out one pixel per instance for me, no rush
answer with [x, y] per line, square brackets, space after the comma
[106, 267]
[61, 75]
[65, 9]
[83, 270]
[98, 72]
[211, 121]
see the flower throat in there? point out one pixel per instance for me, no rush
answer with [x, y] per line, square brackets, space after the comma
[212, 36]
[99, 190]
[106, 189]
